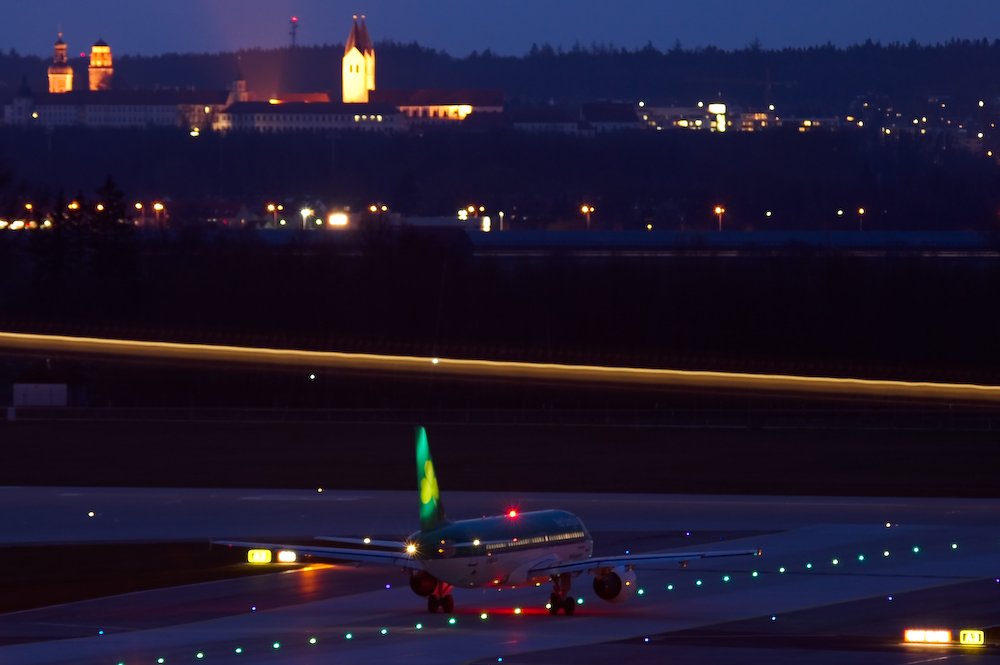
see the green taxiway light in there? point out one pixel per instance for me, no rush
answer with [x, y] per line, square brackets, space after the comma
[642, 592]
[484, 616]
[836, 561]
[781, 570]
[885, 553]
[384, 631]
[199, 655]
[954, 546]
[725, 578]
[452, 621]
[670, 587]
[349, 636]
[419, 626]
[312, 640]
[238, 650]
[809, 566]
[697, 582]
[276, 645]
[161, 660]
[754, 574]
[916, 550]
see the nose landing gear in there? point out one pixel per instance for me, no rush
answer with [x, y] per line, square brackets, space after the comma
[441, 599]
[560, 598]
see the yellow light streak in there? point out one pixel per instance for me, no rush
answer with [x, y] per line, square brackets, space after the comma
[494, 369]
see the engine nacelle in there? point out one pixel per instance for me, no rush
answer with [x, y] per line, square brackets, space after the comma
[615, 585]
[423, 583]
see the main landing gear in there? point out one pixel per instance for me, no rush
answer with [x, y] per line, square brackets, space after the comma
[441, 599]
[560, 598]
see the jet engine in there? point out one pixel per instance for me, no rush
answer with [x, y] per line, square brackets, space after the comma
[615, 585]
[423, 583]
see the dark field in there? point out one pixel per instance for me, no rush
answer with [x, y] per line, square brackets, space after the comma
[845, 460]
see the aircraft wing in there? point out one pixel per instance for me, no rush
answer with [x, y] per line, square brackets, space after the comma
[336, 554]
[636, 561]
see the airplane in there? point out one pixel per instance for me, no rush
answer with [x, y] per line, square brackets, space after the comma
[507, 550]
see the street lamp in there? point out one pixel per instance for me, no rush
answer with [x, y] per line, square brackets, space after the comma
[861, 219]
[306, 214]
[142, 212]
[158, 209]
[588, 210]
[273, 209]
[720, 212]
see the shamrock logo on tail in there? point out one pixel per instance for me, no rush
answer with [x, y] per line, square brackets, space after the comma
[428, 484]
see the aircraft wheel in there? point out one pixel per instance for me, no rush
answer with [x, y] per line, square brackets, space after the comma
[432, 604]
[569, 605]
[553, 608]
[448, 604]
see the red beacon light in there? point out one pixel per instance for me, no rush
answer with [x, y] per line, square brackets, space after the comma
[512, 513]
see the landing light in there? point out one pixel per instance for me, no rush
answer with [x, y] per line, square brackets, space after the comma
[411, 549]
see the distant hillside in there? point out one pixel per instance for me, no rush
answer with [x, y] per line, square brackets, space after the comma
[822, 79]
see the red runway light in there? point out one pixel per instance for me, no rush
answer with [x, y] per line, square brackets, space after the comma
[512, 513]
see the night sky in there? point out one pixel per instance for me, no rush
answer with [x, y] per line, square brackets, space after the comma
[504, 26]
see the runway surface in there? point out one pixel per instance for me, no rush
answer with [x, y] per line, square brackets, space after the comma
[839, 581]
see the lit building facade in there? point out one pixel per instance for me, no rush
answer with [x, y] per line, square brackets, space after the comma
[358, 66]
[120, 109]
[434, 106]
[60, 73]
[271, 118]
[101, 69]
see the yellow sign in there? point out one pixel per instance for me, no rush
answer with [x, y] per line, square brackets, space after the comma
[259, 556]
[972, 638]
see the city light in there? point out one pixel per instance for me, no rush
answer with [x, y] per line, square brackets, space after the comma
[338, 219]
[587, 210]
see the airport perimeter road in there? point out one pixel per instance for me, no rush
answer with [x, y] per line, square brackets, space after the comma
[830, 565]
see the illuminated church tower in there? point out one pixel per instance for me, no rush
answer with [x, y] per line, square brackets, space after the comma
[359, 64]
[101, 70]
[60, 73]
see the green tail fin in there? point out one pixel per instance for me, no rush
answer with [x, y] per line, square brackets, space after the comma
[431, 510]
